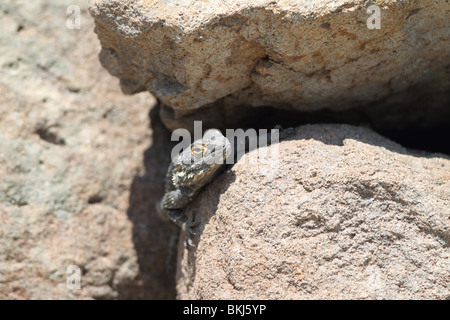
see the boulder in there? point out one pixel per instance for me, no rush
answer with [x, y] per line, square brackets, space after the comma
[74, 187]
[337, 212]
[223, 56]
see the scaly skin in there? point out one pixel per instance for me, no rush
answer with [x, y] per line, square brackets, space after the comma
[194, 168]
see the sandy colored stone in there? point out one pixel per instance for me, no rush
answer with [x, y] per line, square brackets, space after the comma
[344, 213]
[80, 169]
[295, 55]
[74, 183]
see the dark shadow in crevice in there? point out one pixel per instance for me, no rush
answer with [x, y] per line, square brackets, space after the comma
[430, 139]
[151, 235]
[417, 118]
[417, 132]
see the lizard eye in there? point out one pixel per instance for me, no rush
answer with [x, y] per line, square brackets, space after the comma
[198, 149]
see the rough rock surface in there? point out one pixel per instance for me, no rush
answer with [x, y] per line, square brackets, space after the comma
[296, 55]
[80, 172]
[72, 183]
[344, 214]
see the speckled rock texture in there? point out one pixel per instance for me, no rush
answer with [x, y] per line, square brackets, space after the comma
[78, 180]
[294, 55]
[343, 213]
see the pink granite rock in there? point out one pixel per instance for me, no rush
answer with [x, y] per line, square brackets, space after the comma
[344, 213]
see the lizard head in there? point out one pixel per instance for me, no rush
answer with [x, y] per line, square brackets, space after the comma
[202, 159]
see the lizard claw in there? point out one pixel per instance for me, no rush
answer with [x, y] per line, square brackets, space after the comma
[190, 233]
[188, 243]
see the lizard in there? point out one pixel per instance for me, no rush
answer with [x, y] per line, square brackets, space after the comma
[192, 170]
[188, 173]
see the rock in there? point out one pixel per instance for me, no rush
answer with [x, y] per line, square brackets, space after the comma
[74, 188]
[298, 55]
[337, 212]
[80, 171]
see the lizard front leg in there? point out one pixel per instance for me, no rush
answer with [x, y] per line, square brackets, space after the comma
[171, 206]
